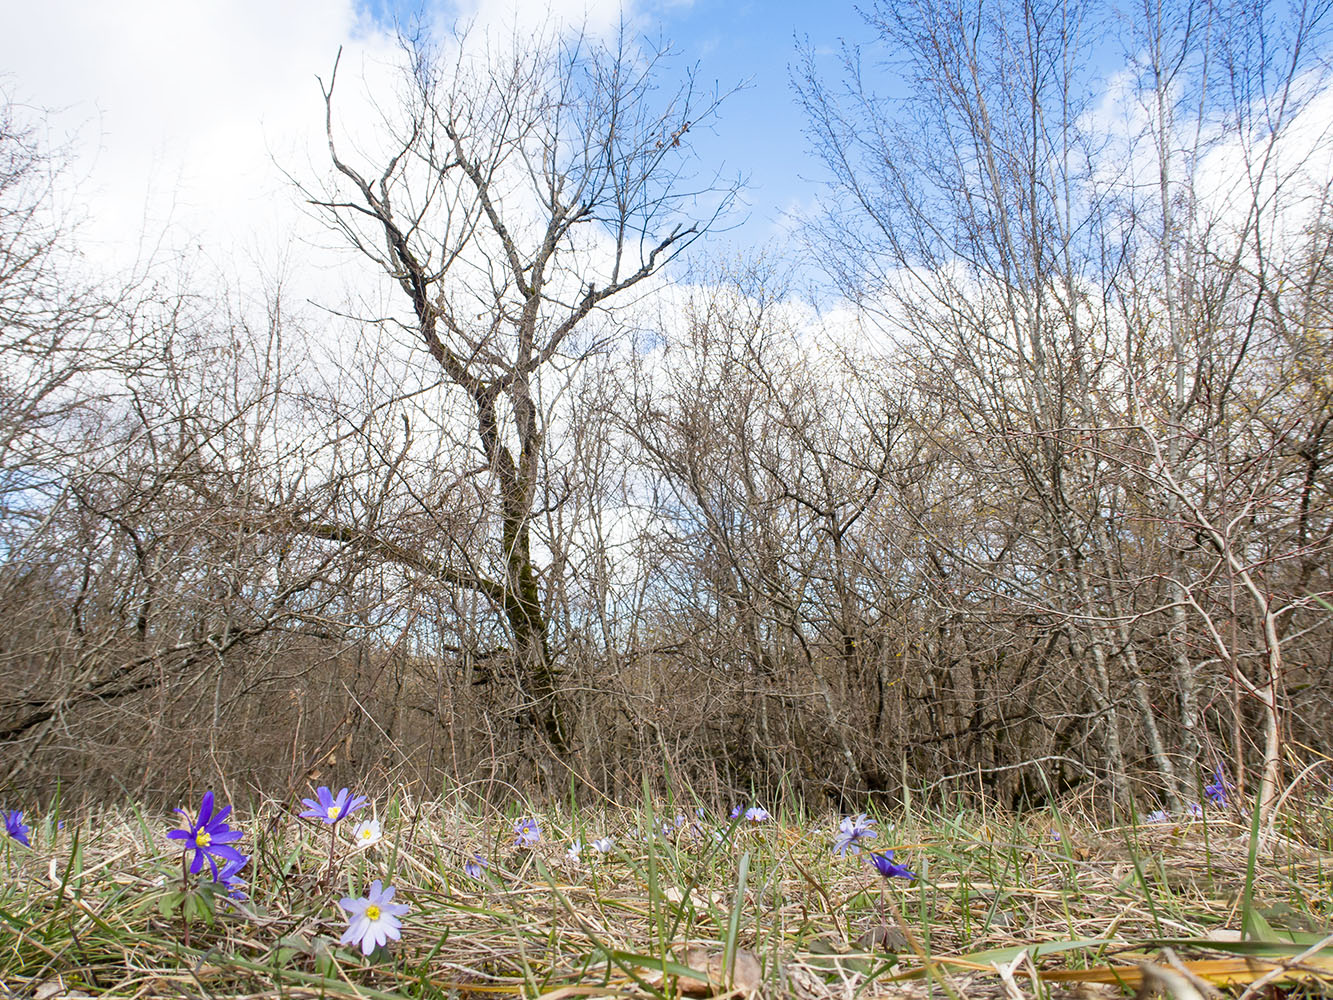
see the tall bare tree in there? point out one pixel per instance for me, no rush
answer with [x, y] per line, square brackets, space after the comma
[524, 187]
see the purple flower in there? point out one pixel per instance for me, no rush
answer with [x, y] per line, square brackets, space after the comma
[1157, 816]
[16, 828]
[887, 867]
[209, 837]
[474, 868]
[374, 918]
[331, 808]
[850, 831]
[230, 880]
[528, 833]
[1216, 792]
[736, 811]
[757, 814]
[1194, 810]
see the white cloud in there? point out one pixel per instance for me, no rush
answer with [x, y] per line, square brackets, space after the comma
[181, 116]
[174, 108]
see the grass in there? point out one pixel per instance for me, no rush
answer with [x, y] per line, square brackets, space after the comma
[1002, 907]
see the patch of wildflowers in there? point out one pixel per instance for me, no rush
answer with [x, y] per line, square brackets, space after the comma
[887, 867]
[331, 808]
[209, 837]
[527, 833]
[474, 868]
[852, 830]
[16, 828]
[374, 918]
[366, 834]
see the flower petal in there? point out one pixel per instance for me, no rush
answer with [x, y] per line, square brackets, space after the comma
[205, 809]
[354, 904]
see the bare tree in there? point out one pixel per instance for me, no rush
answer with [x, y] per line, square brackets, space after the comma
[523, 189]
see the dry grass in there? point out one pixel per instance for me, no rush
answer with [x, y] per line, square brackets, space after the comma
[81, 912]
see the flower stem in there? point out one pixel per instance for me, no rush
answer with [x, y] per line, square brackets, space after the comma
[333, 843]
[185, 887]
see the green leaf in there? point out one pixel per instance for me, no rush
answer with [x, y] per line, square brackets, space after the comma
[1252, 922]
[1284, 945]
[170, 903]
[734, 919]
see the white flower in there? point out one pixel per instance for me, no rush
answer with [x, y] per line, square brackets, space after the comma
[374, 918]
[574, 850]
[366, 834]
[603, 845]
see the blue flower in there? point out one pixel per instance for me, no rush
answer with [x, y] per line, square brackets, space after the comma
[1216, 792]
[887, 867]
[757, 814]
[230, 880]
[850, 831]
[527, 832]
[474, 868]
[737, 811]
[331, 808]
[209, 837]
[16, 828]
[374, 918]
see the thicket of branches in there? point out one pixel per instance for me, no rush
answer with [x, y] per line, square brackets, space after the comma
[1044, 507]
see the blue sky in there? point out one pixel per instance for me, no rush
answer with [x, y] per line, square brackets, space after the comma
[761, 129]
[180, 118]
[759, 132]
[175, 112]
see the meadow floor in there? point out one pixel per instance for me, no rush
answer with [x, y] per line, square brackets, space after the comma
[1036, 906]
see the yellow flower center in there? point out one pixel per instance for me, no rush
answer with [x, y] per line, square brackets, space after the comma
[202, 838]
[333, 812]
[367, 833]
[372, 912]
